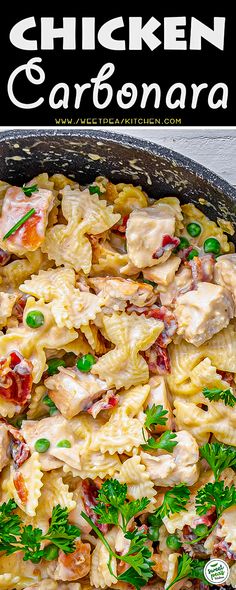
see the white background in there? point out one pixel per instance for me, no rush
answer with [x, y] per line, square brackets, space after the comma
[214, 148]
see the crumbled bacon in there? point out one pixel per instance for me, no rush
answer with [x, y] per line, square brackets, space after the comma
[89, 496]
[19, 484]
[202, 269]
[223, 547]
[168, 243]
[157, 359]
[208, 518]
[15, 379]
[183, 254]
[19, 450]
[226, 376]
[121, 226]
[108, 401]
[170, 324]
[19, 306]
[4, 257]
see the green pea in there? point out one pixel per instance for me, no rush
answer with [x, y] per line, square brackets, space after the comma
[94, 189]
[50, 552]
[64, 443]
[154, 520]
[153, 533]
[192, 254]
[48, 402]
[173, 542]
[42, 445]
[211, 245]
[194, 229]
[85, 362]
[53, 365]
[35, 319]
[200, 530]
[184, 243]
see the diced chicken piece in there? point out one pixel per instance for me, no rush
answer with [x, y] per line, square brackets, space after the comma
[73, 566]
[173, 468]
[31, 234]
[203, 312]
[225, 273]
[4, 446]
[159, 395]
[145, 231]
[55, 429]
[72, 391]
[117, 292]
[181, 284]
[163, 274]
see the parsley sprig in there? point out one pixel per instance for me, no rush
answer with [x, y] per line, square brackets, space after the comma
[218, 457]
[174, 501]
[189, 568]
[166, 442]
[15, 537]
[114, 508]
[220, 395]
[155, 415]
[214, 494]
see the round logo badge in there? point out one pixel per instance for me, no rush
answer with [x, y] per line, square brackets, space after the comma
[216, 571]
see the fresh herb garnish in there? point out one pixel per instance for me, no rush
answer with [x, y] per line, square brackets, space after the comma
[94, 189]
[114, 508]
[19, 223]
[216, 395]
[16, 537]
[165, 442]
[214, 494]
[174, 501]
[155, 415]
[218, 457]
[29, 190]
[189, 568]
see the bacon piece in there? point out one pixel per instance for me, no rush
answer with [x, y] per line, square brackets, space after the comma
[168, 243]
[4, 257]
[19, 306]
[19, 484]
[170, 324]
[183, 254]
[226, 376]
[15, 379]
[202, 269]
[19, 450]
[108, 401]
[224, 547]
[157, 359]
[89, 496]
[120, 227]
[208, 518]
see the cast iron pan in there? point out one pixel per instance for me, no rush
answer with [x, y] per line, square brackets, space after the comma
[85, 154]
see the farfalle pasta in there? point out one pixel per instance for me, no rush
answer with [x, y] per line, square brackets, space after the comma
[117, 389]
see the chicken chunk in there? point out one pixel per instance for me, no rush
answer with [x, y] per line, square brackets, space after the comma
[163, 274]
[173, 468]
[117, 292]
[31, 234]
[180, 284]
[73, 391]
[225, 273]
[159, 395]
[145, 231]
[203, 312]
[4, 446]
[55, 429]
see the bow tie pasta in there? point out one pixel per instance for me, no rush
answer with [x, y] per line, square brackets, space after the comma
[117, 389]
